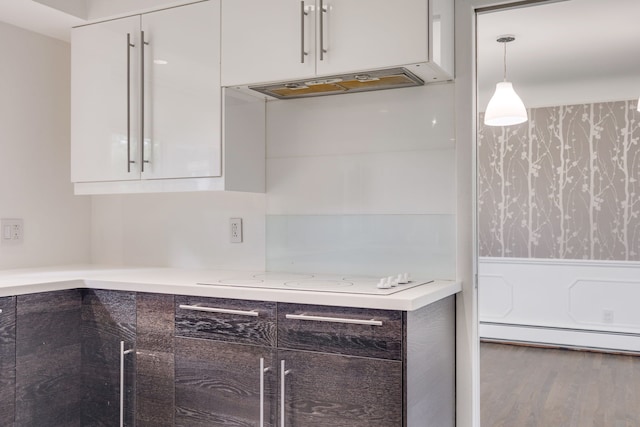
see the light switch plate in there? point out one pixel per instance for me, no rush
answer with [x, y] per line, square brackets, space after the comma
[11, 231]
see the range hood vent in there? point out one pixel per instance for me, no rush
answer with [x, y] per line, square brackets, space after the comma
[391, 78]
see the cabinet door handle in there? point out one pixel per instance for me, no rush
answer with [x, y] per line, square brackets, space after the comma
[129, 46]
[123, 353]
[263, 370]
[322, 12]
[283, 374]
[303, 14]
[252, 313]
[142, 45]
[303, 316]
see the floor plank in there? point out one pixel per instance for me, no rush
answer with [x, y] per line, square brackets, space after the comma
[539, 387]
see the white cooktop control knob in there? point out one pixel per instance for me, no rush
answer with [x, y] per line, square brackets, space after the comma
[392, 281]
[382, 284]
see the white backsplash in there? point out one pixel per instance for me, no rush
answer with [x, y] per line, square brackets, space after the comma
[363, 183]
[372, 245]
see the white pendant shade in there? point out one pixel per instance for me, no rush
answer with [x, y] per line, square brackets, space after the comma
[505, 107]
[638, 104]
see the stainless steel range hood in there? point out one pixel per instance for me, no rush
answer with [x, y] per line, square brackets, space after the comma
[390, 78]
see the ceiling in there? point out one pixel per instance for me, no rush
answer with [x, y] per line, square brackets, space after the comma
[565, 51]
[585, 48]
[38, 18]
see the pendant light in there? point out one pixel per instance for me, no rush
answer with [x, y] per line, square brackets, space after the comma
[639, 105]
[505, 107]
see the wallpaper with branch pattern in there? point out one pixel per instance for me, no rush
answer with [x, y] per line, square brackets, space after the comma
[565, 184]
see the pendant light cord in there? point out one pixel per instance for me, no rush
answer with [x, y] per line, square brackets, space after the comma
[504, 40]
[505, 61]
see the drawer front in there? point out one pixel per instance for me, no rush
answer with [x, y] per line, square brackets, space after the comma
[240, 321]
[341, 330]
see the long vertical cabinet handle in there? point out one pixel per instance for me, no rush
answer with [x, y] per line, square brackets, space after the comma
[303, 14]
[263, 371]
[142, 45]
[283, 374]
[322, 12]
[129, 46]
[123, 353]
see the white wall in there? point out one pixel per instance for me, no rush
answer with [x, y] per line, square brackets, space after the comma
[189, 230]
[34, 153]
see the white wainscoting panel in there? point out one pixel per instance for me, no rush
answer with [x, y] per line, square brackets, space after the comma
[593, 304]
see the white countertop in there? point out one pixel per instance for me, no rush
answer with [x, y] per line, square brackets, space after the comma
[184, 282]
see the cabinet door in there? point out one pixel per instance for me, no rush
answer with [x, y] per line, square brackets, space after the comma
[108, 317]
[182, 96]
[364, 34]
[154, 360]
[104, 88]
[48, 359]
[7, 360]
[264, 40]
[224, 384]
[323, 390]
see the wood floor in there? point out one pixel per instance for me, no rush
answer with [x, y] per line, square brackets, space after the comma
[535, 387]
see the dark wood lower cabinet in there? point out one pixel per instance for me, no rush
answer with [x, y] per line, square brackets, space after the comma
[47, 359]
[7, 361]
[222, 363]
[340, 391]
[219, 384]
[108, 318]
[155, 360]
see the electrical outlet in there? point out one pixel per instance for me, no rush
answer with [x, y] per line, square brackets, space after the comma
[607, 315]
[12, 230]
[236, 230]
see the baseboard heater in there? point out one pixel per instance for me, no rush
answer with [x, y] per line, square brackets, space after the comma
[588, 339]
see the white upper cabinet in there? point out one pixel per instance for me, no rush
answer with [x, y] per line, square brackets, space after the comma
[104, 130]
[164, 92]
[275, 40]
[182, 107]
[266, 40]
[365, 34]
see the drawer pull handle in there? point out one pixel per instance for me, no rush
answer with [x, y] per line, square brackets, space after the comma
[303, 316]
[252, 313]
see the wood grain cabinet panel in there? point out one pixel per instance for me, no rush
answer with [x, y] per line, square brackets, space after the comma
[341, 391]
[47, 355]
[383, 341]
[108, 317]
[7, 360]
[155, 360]
[218, 384]
[231, 327]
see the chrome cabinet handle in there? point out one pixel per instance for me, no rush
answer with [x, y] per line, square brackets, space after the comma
[129, 46]
[303, 316]
[263, 370]
[252, 313]
[123, 353]
[283, 373]
[322, 12]
[142, 45]
[303, 13]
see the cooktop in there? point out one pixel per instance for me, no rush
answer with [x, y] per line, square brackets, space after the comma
[320, 283]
